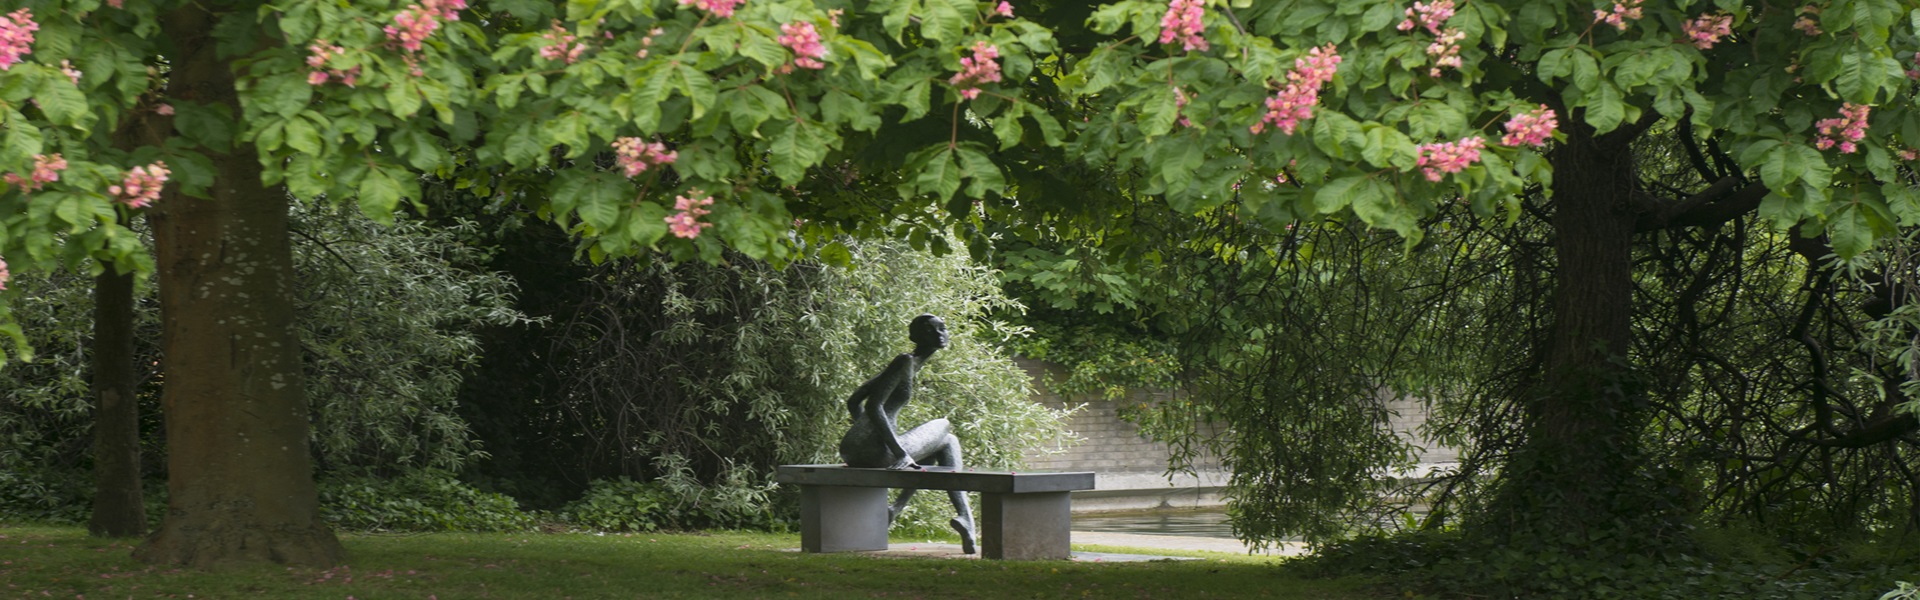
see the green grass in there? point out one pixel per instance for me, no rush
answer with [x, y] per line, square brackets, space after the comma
[63, 562]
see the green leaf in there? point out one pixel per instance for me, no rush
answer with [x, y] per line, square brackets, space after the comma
[63, 103]
[1334, 133]
[763, 49]
[841, 107]
[1850, 232]
[697, 87]
[1386, 147]
[944, 20]
[1605, 108]
[984, 176]
[302, 136]
[285, 95]
[1158, 110]
[798, 148]
[1337, 194]
[207, 125]
[939, 174]
[379, 194]
[402, 98]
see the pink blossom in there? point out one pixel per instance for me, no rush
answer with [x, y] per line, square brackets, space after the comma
[1845, 131]
[117, 3]
[1708, 29]
[1432, 15]
[636, 156]
[1909, 154]
[1449, 157]
[558, 39]
[685, 223]
[165, 110]
[719, 8]
[415, 23]
[1807, 26]
[142, 185]
[1445, 50]
[1623, 11]
[319, 53]
[1183, 22]
[977, 69]
[16, 37]
[1531, 128]
[646, 43]
[1295, 103]
[804, 41]
[5, 275]
[66, 68]
[1004, 9]
[1180, 104]
[46, 169]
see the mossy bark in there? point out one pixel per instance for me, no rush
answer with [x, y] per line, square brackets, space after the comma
[239, 473]
[118, 509]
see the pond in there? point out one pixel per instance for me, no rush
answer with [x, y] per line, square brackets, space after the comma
[1190, 523]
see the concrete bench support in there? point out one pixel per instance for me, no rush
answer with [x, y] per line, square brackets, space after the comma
[1023, 516]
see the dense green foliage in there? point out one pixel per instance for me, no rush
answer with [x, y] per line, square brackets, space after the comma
[420, 500]
[387, 321]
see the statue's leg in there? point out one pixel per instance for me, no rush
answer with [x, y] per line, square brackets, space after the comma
[899, 504]
[934, 443]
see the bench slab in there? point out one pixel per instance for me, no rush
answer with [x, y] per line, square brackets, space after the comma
[935, 478]
[1023, 516]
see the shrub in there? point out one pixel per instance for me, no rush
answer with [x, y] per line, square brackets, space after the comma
[422, 500]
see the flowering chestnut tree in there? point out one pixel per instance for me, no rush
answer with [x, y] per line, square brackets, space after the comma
[689, 126]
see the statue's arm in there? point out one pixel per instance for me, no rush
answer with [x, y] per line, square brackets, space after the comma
[878, 415]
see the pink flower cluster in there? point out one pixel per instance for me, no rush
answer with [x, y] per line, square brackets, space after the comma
[415, 23]
[686, 224]
[66, 68]
[1182, 22]
[1286, 109]
[142, 185]
[1445, 49]
[16, 37]
[1180, 101]
[1623, 11]
[646, 43]
[1708, 29]
[1805, 23]
[1850, 127]
[1531, 128]
[1004, 9]
[4, 274]
[804, 41]
[636, 156]
[1431, 15]
[319, 53]
[558, 39]
[1450, 157]
[719, 8]
[46, 169]
[977, 69]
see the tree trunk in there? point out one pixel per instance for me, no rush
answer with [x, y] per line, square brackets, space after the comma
[1579, 476]
[118, 510]
[240, 481]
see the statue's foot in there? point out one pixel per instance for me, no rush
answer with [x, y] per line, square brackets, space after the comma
[965, 527]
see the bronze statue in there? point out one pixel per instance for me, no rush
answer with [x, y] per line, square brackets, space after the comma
[871, 441]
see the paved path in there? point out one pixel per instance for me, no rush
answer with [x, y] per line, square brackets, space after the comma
[1102, 538]
[1180, 542]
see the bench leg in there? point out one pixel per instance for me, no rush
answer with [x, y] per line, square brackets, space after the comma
[842, 519]
[1027, 526]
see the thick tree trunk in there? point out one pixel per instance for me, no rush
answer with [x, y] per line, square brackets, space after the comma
[118, 510]
[239, 477]
[1579, 477]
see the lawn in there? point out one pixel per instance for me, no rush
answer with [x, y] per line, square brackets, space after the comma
[63, 562]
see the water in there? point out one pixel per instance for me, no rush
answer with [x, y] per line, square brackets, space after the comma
[1196, 523]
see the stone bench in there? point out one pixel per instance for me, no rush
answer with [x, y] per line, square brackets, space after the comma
[1023, 516]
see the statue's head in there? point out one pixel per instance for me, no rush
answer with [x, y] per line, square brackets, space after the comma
[928, 332]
